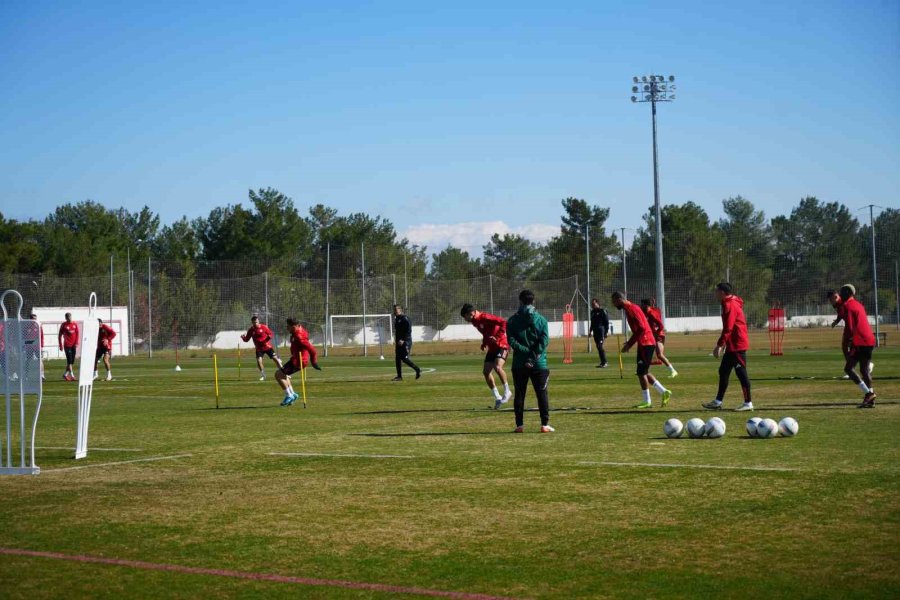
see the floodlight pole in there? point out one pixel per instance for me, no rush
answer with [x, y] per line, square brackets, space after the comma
[874, 268]
[624, 280]
[653, 89]
[587, 268]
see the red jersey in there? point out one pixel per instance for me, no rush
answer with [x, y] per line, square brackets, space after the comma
[641, 334]
[857, 324]
[654, 319]
[105, 337]
[302, 351]
[68, 334]
[262, 337]
[734, 325]
[493, 331]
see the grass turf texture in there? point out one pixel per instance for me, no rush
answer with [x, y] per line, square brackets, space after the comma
[477, 509]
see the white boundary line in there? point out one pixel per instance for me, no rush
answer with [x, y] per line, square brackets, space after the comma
[121, 462]
[313, 454]
[92, 448]
[683, 466]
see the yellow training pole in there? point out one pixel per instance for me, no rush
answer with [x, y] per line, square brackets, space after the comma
[303, 382]
[216, 371]
[621, 367]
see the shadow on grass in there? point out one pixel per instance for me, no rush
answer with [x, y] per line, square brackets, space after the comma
[450, 410]
[813, 378]
[213, 408]
[431, 433]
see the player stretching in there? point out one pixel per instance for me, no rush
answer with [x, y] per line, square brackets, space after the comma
[734, 343]
[262, 340]
[835, 299]
[403, 346]
[68, 343]
[600, 329]
[104, 349]
[493, 332]
[654, 318]
[862, 343]
[642, 335]
[302, 354]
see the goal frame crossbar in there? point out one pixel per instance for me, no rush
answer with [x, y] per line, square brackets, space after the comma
[364, 318]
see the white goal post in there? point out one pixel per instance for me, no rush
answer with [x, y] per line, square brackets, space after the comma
[360, 330]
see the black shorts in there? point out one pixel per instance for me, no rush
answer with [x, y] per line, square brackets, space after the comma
[861, 354]
[290, 368]
[644, 358]
[70, 354]
[494, 355]
[270, 353]
[100, 353]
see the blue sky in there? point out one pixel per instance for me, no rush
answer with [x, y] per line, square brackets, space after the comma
[452, 121]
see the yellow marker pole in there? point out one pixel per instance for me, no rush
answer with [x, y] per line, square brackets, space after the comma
[621, 367]
[303, 382]
[216, 371]
[239, 361]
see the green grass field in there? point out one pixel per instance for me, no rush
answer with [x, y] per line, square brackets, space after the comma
[420, 485]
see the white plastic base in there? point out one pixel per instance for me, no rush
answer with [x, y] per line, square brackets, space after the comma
[20, 470]
[177, 367]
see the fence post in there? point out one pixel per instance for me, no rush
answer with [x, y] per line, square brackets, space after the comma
[365, 347]
[327, 297]
[491, 286]
[149, 308]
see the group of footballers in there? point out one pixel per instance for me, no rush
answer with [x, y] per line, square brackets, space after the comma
[68, 339]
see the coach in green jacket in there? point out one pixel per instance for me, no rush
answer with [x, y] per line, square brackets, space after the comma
[529, 335]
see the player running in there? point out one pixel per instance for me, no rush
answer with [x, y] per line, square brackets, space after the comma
[68, 343]
[302, 353]
[493, 332]
[654, 318]
[642, 336]
[862, 343]
[734, 343]
[600, 328]
[105, 336]
[835, 299]
[262, 338]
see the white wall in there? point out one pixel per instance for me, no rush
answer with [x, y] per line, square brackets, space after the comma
[51, 317]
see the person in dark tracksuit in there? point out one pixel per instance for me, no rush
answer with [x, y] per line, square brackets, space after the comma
[600, 329]
[403, 343]
[529, 335]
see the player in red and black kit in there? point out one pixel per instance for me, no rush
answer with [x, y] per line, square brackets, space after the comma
[862, 344]
[68, 343]
[835, 299]
[105, 336]
[303, 353]
[654, 318]
[734, 343]
[262, 338]
[493, 333]
[642, 336]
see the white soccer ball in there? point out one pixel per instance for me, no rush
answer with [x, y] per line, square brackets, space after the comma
[715, 428]
[767, 428]
[673, 428]
[696, 427]
[751, 427]
[788, 427]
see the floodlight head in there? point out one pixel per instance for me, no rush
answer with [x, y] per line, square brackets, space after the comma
[646, 88]
[634, 98]
[647, 96]
[634, 79]
[644, 78]
[634, 88]
[671, 96]
[671, 78]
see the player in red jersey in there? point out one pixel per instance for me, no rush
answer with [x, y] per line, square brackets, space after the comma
[642, 336]
[654, 318]
[262, 338]
[105, 337]
[38, 352]
[493, 332]
[68, 343]
[302, 353]
[835, 299]
[732, 345]
[862, 343]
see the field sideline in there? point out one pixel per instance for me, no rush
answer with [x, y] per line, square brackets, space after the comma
[418, 489]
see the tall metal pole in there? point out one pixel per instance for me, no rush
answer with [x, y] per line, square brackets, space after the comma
[491, 288]
[110, 289]
[328, 329]
[405, 285]
[624, 281]
[874, 268]
[394, 288]
[149, 308]
[660, 277]
[266, 285]
[587, 268]
[365, 347]
[897, 290]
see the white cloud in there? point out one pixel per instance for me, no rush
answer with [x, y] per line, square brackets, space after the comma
[472, 235]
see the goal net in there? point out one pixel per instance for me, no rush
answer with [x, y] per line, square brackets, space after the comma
[361, 330]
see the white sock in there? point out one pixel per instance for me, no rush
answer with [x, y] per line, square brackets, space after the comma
[717, 401]
[646, 395]
[864, 387]
[671, 368]
[496, 393]
[506, 387]
[658, 386]
[290, 389]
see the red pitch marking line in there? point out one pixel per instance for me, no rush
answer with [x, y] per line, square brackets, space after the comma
[121, 462]
[310, 581]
